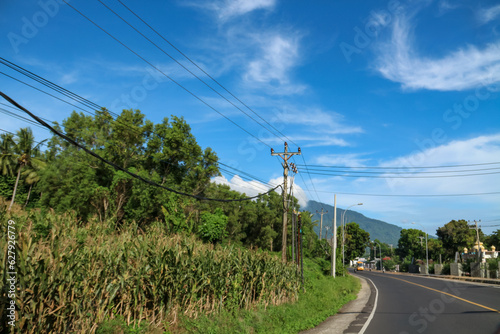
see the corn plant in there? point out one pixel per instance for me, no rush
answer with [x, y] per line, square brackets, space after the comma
[77, 276]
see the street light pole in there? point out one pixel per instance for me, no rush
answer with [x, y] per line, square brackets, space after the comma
[380, 248]
[426, 249]
[343, 233]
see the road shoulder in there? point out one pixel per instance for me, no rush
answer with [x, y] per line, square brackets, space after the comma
[352, 316]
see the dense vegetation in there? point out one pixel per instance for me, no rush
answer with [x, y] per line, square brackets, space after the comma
[66, 179]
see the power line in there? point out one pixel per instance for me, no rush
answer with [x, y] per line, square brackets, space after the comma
[184, 67]
[51, 85]
[244, 175]
[51, 95]
[90, 104]
[164, 74]
[400, 173]
[10, 100]
[12, 133]
[72, 95]
[407, 195]
[207, 74]
[19, 117]
[401, 167]
[310, 178]
[403, 177]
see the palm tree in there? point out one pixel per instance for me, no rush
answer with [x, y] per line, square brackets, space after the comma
[7, 160]
[27, 155]
[31, 174]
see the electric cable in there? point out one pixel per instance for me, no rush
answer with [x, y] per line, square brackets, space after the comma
[411, 195]
[392, 167]
[164, 74]
[184, 67]
[74, 143]
[403, 177]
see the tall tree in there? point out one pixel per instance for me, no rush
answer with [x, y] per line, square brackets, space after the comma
[27, 154]
[411, 244]
[455, 236]
[356, 240]
[493, 240]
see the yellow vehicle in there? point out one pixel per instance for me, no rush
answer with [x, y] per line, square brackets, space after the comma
[360, 266]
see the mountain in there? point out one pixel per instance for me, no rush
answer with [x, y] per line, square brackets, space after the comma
[378, 229]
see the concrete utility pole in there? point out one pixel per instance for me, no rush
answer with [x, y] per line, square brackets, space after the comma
[285, 156]
[334, 236]
[321, 221]
[472, 227]
[294, 218]
[426, 247]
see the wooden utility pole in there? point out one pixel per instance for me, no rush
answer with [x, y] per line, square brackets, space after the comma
[285, 156]
[321, 221]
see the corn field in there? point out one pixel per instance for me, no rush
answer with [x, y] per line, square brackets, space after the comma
[74, 276]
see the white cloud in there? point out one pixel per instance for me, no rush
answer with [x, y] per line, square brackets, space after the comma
[69, 77]
[270, 69]
[486, 15]
[229, 9]
[309, 126]
[253, 188]
[445, 6]
[465, 68]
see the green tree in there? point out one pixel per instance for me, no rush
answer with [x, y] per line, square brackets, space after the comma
[166, 153]
[493, 240]
[381, 247]
[411, 244]
[356, 240]
[27, 154]
[435, 248]
[213, 226]
[455, 236]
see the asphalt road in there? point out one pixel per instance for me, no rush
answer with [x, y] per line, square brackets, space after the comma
[412, 304]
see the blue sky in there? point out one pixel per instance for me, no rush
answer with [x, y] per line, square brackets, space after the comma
[406, 84]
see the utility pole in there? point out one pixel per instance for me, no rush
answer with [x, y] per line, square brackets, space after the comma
[294, 216]
[334, 236]
[285, 156]
[321, 223]
[301, 255]
[472, 227]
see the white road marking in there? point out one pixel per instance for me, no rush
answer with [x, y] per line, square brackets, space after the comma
[374, 308]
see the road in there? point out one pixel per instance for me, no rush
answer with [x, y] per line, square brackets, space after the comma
[411, 304]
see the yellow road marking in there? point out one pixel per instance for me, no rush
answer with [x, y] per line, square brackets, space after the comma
[448, 294]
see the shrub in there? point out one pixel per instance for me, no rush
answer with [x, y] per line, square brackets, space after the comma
[213, 226]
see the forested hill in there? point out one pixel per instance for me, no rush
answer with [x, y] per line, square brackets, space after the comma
[378, 229]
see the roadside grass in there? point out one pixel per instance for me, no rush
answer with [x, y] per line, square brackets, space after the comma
[323, 297]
